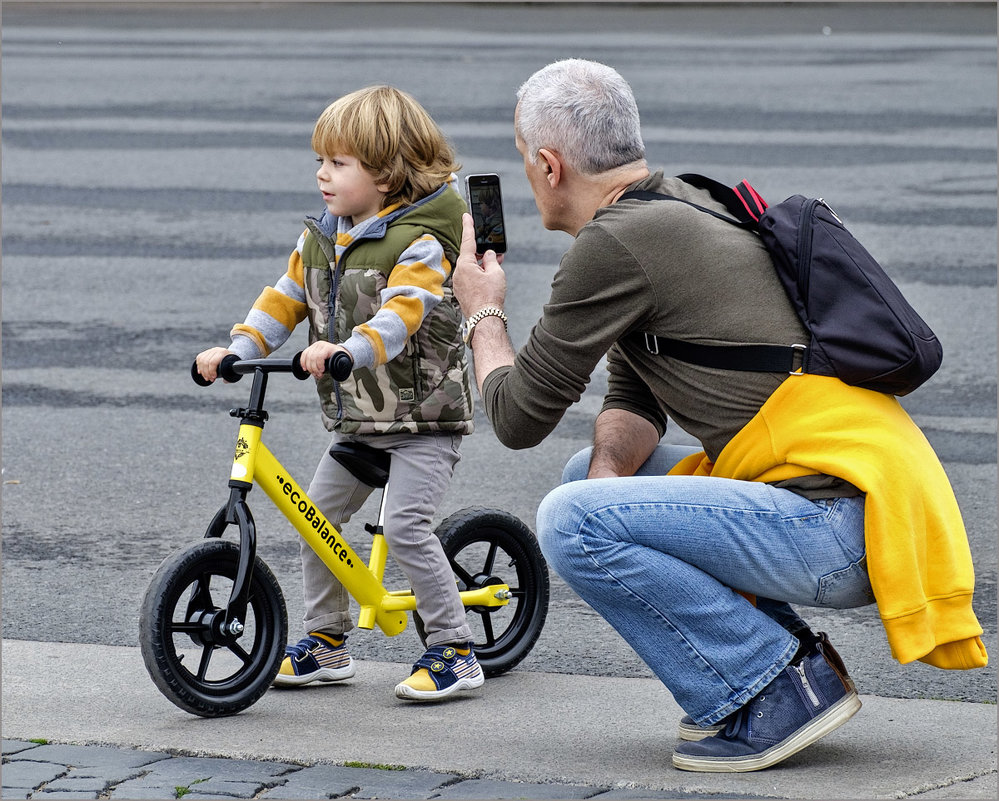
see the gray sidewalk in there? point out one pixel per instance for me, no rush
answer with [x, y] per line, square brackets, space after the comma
[523, 735]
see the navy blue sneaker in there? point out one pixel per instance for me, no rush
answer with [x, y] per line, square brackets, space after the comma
[317, 657]
[441, 671]
[689, 730]
[808, 700]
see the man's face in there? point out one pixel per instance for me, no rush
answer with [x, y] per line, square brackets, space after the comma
[540, 188]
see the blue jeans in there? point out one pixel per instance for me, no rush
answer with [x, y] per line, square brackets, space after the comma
[660, 558]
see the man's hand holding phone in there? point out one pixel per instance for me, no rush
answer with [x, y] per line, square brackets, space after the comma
[479, 281]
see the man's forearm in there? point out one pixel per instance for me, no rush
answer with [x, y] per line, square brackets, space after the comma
[622, 441]
[491, 348]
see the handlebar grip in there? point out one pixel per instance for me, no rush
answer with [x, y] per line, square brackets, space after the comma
[226, 371]
[296, 367]
[201, 382]
[340, 365]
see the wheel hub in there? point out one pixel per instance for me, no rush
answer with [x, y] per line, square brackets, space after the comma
[213, 629]
[479, 581]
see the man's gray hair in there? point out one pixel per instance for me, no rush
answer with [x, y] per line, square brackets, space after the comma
[583, 110]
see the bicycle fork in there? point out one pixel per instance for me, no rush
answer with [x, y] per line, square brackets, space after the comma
[237, 512]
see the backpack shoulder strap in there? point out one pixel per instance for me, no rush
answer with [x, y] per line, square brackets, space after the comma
[641, 194]
[743, 202]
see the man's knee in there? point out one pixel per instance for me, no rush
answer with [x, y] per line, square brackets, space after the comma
[578, 466]
[556, 528]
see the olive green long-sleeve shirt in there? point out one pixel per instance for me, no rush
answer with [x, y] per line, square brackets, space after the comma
[664, 268]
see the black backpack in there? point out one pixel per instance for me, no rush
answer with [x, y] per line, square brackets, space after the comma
[862, 330]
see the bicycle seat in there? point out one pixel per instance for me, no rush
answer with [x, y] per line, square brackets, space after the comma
[365, 463]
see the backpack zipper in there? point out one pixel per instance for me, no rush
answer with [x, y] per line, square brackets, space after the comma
[805, 226]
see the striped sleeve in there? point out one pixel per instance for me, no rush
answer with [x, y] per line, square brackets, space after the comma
[275, 313]
[415, 287]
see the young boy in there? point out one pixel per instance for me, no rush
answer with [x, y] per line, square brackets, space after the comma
[373, 276]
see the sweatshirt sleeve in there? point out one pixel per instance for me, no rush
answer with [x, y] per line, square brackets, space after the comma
[599, 293]
[415, 286]
[275, 313]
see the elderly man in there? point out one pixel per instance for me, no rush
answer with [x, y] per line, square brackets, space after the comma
[695, 556]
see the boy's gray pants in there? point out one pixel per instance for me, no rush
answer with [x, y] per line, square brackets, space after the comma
[422, 466]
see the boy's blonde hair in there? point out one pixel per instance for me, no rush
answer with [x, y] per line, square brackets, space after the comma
[393, 137]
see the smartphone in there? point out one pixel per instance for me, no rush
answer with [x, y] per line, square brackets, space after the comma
[486, 205]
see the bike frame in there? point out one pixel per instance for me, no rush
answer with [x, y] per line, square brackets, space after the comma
[252, 463]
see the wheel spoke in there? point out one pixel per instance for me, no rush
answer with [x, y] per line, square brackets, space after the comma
[462, 574]
[487, 568]
[206, 657]
[201, 594]
[487, 627]
[240, 652]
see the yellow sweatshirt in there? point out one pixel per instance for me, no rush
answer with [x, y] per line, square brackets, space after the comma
[918, 556]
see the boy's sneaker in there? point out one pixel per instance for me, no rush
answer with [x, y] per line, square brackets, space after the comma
[806, 701]
[691, 732]
[317, 657]
[440, 672]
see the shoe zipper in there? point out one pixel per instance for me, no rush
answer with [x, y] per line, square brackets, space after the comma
[800, 669]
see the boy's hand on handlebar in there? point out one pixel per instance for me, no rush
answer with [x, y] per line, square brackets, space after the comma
[208, 362]
[314, 357]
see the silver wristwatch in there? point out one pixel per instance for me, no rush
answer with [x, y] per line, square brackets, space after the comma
[482, 314]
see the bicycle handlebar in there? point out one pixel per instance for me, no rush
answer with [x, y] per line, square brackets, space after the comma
[232, 368]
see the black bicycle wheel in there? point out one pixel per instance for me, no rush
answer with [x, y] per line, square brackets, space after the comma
[487, 547]
[193, 660]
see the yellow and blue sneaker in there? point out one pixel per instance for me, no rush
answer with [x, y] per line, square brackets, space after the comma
[440, 672]
[318, 657]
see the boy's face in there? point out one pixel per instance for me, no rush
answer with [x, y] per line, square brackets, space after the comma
[348, 189]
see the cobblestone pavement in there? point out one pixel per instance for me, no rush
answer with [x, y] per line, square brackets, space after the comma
[51, 771]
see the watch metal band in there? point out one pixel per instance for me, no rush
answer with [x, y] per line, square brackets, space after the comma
[479, 316]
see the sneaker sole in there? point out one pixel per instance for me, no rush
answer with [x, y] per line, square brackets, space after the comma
[325, 675]
[830, 720]
[692, 734]
[407, 693]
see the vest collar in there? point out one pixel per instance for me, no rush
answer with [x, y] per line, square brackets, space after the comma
[373, 227]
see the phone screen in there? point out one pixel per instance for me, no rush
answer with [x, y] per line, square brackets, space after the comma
[486, 205]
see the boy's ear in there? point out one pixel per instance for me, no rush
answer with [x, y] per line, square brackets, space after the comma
[551, 163]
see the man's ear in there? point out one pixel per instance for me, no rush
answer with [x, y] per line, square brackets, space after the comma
[552, 164]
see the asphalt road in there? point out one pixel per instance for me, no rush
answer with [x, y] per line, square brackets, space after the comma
[156, 169]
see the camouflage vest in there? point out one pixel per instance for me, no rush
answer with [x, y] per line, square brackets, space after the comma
[426, 387]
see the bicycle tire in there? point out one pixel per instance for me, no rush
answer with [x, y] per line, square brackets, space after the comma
[503, 635]
[187, 593]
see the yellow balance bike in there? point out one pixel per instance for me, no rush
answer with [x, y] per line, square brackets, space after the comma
[213, 623]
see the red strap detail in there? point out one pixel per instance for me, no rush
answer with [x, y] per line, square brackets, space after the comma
[751, 199]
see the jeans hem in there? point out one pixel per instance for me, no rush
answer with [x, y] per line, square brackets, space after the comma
[754, 689]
